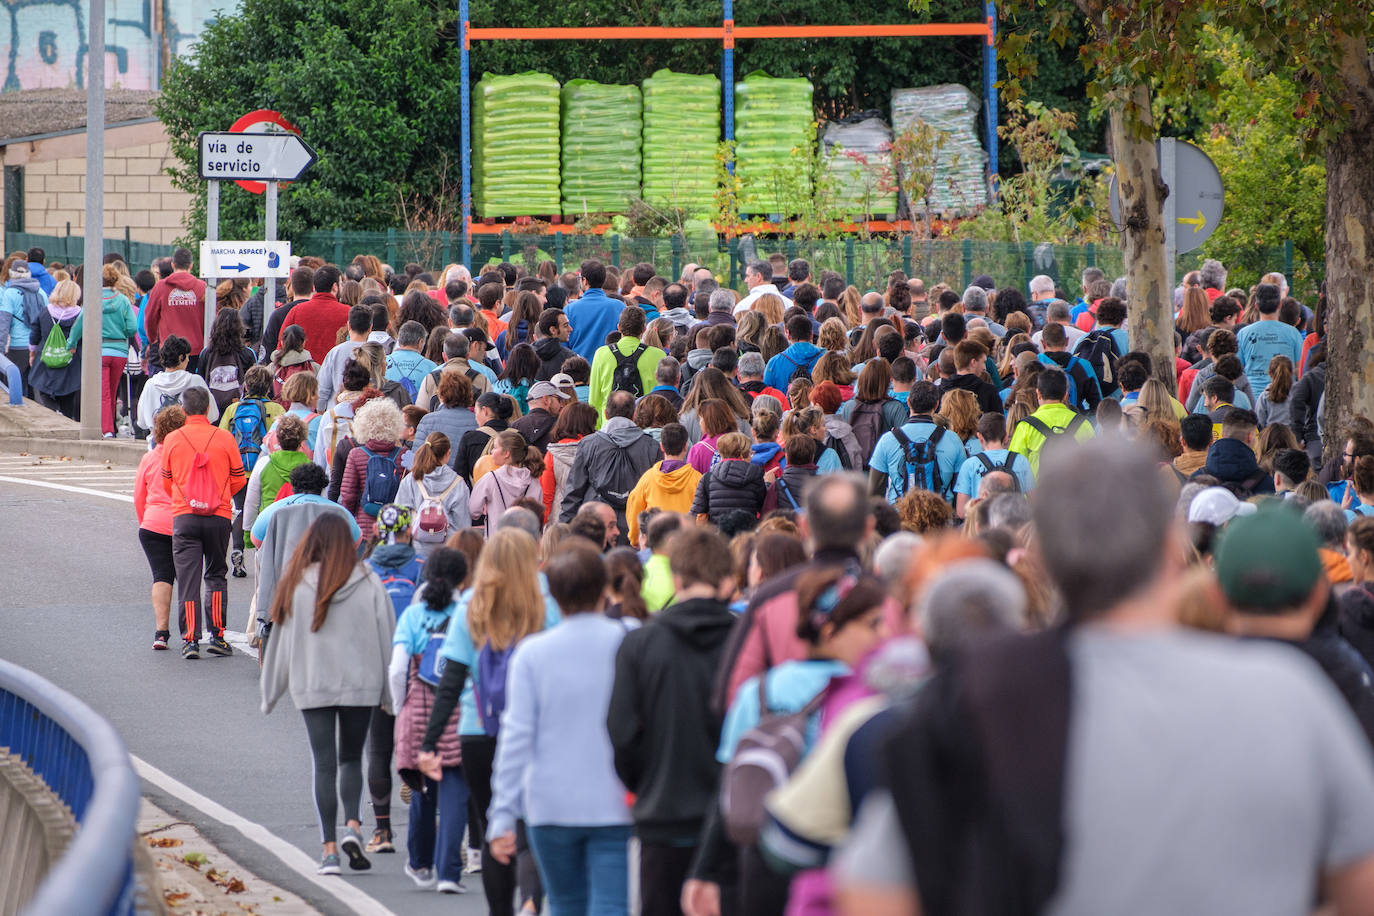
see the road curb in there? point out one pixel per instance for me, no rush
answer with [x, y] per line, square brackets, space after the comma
[120, 452]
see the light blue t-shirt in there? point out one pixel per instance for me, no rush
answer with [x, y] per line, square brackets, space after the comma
[408, 364]
[1261, 342]
[828, 462]
[788, 687]
[458, 647]
[417, 624]
[972, 472]
[260, 526]
[890, 459]
[972, 446]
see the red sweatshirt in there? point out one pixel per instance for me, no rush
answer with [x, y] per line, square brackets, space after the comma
[176, 306]
[320, 317]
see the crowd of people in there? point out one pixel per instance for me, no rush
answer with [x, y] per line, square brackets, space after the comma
[902, 601]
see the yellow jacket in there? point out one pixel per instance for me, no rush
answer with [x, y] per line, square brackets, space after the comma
[671, 492]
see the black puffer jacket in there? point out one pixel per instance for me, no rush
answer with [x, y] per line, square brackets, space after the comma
[731, 484]
[660, 721]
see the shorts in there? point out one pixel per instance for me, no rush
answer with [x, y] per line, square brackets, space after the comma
[158, 549]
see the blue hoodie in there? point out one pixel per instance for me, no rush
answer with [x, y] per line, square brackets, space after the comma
[592, 317]
[764, 452]
[45, 279]
[780, 368]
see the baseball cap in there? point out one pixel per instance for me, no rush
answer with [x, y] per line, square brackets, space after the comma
[1268, 560]
[546, 390]
[1217, 506]
[562, 380]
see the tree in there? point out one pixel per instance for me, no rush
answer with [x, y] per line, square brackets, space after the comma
[1327, 46]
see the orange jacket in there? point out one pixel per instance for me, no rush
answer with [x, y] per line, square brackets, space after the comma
[178, 452]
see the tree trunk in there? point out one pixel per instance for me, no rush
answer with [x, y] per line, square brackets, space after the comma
[1150, 311]
[1350, 252]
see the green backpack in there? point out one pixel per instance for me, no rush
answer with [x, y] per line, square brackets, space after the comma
[55, 352]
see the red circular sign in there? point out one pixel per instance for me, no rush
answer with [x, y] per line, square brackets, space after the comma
[264, 120]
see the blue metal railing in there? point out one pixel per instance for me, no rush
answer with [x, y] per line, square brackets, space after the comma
[83, 760]
[12, 381]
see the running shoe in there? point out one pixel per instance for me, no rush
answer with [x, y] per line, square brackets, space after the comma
[160, 639]
[352, 846]
[424, 877]
[474, 865]
[329, 864]
[218, 646]
[190, 649]
[236, 561]
[381, 841]
[451, 887]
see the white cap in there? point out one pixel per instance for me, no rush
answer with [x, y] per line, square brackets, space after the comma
[1217, 506]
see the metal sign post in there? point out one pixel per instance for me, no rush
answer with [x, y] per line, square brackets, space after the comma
[269, 296]
[211, 235]
[90, 397]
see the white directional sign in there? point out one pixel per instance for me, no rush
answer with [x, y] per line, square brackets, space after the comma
[245, 259]
[1196, 194]
[260, 157]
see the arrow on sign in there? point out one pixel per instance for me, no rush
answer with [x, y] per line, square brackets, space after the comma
[1198, 222]
[238, 267]
[256, 157]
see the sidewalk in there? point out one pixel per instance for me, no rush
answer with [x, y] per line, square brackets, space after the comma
[184, 873]
[33, 430]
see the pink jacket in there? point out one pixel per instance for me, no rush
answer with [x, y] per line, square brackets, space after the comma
[151, 502]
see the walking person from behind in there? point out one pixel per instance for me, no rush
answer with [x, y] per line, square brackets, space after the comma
[154, 508]
[201, 471]
[332, 626]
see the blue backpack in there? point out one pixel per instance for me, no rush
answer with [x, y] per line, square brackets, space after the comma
[382, 481]
[249, 428]
[922, 468]
[400, 582]
[432, 663]
[411, 386]
[492, 667]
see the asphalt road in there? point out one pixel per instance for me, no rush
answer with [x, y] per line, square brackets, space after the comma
[76, 610]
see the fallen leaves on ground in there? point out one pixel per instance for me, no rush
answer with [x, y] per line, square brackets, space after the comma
[163, 842]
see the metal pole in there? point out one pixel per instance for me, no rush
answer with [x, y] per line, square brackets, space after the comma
[465, 129]
[1168, 172]
[95, 225]
[269, 298]
[211, 235]
[728, 74]
[990, 90]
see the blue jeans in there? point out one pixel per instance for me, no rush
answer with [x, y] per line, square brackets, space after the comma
[586, 870]
[444, 850]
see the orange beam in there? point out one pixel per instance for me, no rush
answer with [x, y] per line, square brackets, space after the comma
[719, 33]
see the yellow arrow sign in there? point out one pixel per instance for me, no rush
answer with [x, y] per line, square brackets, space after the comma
[1198, 222]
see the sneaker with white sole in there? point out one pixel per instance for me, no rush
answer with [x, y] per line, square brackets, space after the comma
[423, 877]
[451, 887]
[474, 864]
[351, 845]
[160, 639]
[329, 864]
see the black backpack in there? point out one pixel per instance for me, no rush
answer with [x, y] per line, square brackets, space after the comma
[1005, 466]
[840, 451]
[626, 375]
[1099, 351]
[866, 421]
[1051, 434]
[801, 370]
[922, 468]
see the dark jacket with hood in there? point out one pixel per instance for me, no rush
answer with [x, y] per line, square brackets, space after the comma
[1233, 462]
[1302, 409]
[989, 401]
[1356, 619]
[792, 482]
[608, 465]
[662, 730]
[731, 484]
[535, 426]
[254, 313]
[552, 355]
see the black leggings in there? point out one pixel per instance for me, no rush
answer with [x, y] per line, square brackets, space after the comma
[381, 740]
[338, 771]
[498, 881]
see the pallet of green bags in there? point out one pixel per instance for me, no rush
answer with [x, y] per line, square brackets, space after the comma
[515, 145]
[602, 131]
[681, 131]
[773, 118]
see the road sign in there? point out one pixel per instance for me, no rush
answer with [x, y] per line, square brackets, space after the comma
[262, 121]
[263, 157]
[245, 259]
[1196, 194]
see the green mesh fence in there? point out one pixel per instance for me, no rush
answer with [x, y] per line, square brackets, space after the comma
[70, 249]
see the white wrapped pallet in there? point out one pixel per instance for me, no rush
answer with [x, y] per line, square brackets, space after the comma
[960, 184]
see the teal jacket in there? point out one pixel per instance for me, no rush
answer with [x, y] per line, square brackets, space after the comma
[118, 324]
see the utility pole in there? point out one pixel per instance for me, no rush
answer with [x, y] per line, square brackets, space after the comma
[95, 225]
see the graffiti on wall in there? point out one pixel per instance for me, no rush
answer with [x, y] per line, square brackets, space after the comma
[43, 42]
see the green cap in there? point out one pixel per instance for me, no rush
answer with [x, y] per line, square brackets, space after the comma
[1268, 561]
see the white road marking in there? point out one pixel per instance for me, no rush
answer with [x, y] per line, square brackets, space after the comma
[291, 857]
[84, 491]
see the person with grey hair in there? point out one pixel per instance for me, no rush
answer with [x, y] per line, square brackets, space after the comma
[522, 518]
[750, 371]
[667, 378]
[719, 309]
[758, 277]
[407, 363]
[461, 316]
[894, 555]
[1089, 830]
[1331, 523]
[1213, 277]
[1119, 289]
[970, 600]
[1010, 510]
[975, 299]
[1057, 311]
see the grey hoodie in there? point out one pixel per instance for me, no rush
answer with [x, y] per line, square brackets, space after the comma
[435, 483]
[608, 465]
[343, 663]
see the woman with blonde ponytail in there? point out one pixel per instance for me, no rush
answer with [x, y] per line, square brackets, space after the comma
[436, 495]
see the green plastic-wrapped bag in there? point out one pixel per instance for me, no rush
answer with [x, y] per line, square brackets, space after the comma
[515, 145]
[602, 129]
[773, 118]
[681, 130]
